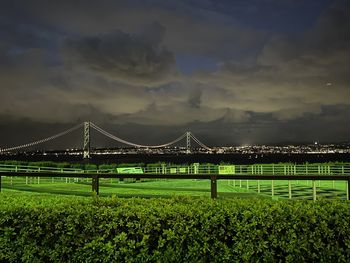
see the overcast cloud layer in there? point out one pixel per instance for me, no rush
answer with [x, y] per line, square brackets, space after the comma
[232, 72]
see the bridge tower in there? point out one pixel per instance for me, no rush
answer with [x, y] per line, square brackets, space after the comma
[188, 142]
[86, 148]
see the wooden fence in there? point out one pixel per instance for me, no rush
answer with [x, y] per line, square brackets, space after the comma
[212, 177]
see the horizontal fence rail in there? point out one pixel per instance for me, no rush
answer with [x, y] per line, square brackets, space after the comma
[288, 172]
[205, 176]
[256, 169]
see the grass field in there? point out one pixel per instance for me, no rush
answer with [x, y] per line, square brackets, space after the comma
[168, 188]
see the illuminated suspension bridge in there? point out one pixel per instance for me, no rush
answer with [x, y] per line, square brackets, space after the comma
[187, 136]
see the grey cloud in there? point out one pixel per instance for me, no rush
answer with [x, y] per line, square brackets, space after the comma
[279, 49]
[153, 34]
[191, 27]
[173, 112]
[297, 112]
[332, 29]
[194, 99]
[289, 77]
[119, 71]
[329, 35]
[235, 116]
[118, 55]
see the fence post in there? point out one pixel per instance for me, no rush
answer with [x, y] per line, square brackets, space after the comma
[196, 168]
[314, 190]
[0, 182]
[213, 187]
[348, 190]
[272, 188]
[95, 184]
[258, 186]
[289, 189]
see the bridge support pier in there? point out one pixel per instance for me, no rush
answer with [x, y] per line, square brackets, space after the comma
[188, 142]
[95, 184]
[213, 187]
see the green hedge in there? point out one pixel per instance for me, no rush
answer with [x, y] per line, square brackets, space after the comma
[34, 229]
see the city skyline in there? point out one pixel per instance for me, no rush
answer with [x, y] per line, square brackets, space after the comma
[232, 72]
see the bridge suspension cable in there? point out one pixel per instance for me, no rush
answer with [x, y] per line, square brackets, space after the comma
[113, 137]
[42, 140]
[199, 142]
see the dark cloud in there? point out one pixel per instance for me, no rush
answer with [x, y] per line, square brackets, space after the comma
[332, 28]
[192, 28]
[289, 77]
[123, 56]
[252, 76]
[194, 99]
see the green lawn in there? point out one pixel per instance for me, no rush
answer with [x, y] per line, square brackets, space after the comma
[168, 188]
[300, 189]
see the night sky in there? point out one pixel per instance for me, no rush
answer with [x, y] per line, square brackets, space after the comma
[233, 72]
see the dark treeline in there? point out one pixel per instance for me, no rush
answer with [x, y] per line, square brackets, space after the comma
[187, 158]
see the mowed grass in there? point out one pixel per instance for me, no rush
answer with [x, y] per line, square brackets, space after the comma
[168, 188]
[301, 189]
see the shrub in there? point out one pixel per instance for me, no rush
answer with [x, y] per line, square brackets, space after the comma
[172, 230]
